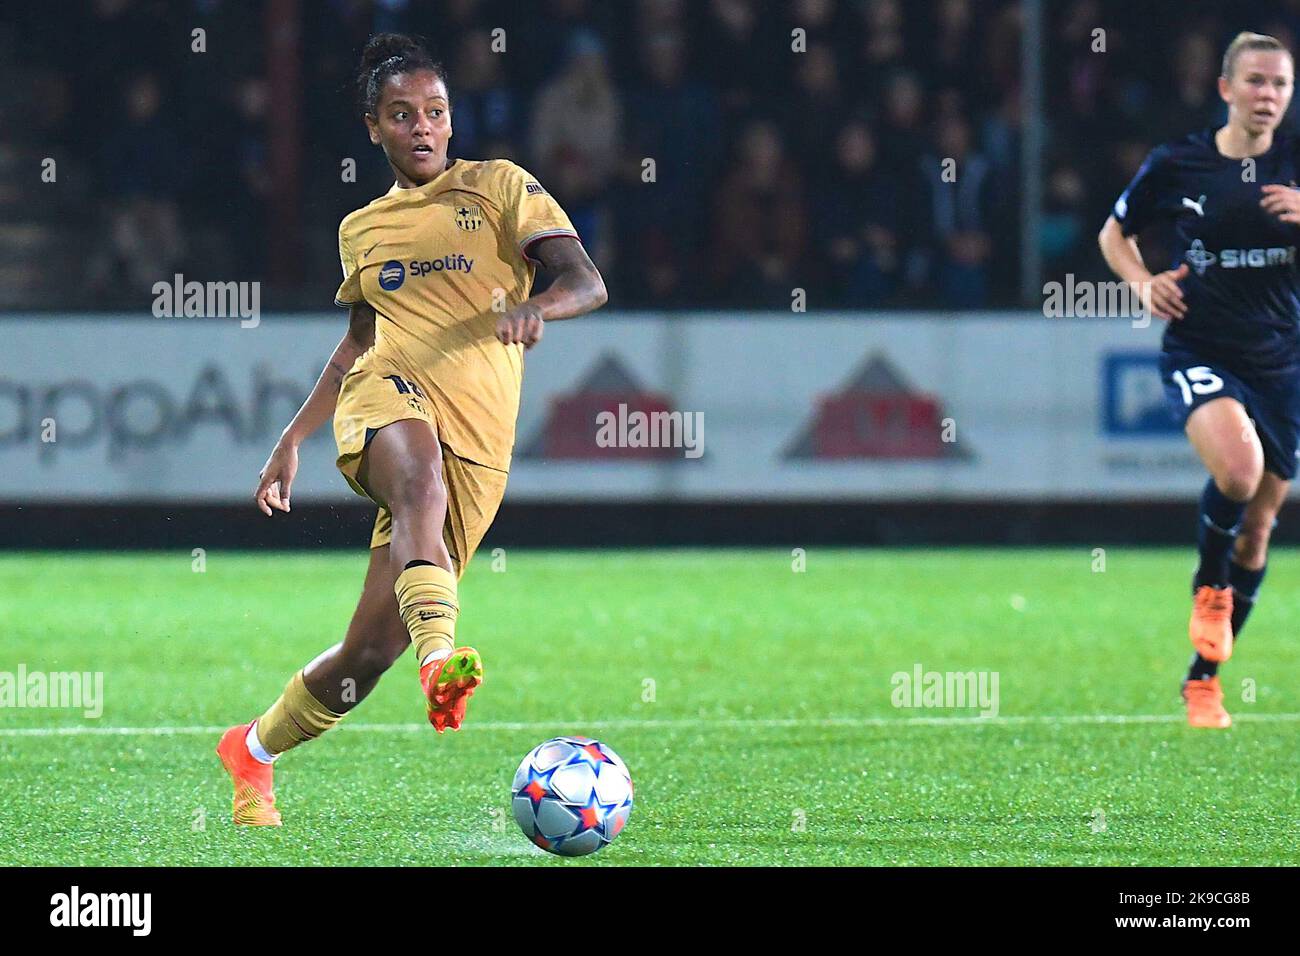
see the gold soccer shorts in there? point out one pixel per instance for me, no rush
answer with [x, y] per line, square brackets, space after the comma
[367, 402]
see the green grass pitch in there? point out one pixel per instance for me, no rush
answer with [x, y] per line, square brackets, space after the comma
[752, 703]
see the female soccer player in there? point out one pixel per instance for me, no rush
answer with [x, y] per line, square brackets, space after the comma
[425, 390]
[1231, 353]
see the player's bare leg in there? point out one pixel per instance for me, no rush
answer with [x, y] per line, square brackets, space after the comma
[316, 698]
[342, 677]
[1225, 439]
[402, 469]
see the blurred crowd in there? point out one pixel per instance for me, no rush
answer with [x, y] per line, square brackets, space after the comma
[710, 156]
[780, 161]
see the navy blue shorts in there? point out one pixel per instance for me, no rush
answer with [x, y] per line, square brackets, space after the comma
[1271, 400]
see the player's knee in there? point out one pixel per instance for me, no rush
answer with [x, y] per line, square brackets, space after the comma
[1240, 480]
[421, 488]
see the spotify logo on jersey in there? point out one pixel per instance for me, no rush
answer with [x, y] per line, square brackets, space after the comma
[392, 275]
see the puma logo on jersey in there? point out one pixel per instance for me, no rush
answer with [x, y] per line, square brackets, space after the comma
[1196, 205]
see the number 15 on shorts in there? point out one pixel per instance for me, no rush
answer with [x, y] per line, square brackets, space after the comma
[1197, 380]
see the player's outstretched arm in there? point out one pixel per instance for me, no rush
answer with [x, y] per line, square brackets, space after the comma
[276, 476]
[577, 290]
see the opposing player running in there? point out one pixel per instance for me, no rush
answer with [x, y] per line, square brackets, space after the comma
[424, 388]
[1231, 350]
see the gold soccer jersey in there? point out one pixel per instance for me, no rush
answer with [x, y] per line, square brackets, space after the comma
[440, 264]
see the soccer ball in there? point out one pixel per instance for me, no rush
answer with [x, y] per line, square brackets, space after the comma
[572, 795]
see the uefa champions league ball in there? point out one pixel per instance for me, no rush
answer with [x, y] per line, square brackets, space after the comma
[572, 795]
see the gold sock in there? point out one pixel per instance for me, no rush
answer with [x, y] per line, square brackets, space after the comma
[426, 598]
[294, 719]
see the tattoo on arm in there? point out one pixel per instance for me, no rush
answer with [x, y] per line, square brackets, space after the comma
[361, 324]
[563, 254]
[578, 286]
[339, 372]
[361, 330]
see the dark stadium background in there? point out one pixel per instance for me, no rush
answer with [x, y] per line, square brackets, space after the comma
[774, 172]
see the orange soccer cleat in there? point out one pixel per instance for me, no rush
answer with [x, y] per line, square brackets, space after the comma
[1211, 625]
[254, 801]
[1205, 703]
[448, 685]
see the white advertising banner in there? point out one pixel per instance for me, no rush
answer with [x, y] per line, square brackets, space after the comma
[750, 406]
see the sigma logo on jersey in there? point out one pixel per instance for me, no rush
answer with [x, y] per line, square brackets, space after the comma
[391, 275]
[1202, 258]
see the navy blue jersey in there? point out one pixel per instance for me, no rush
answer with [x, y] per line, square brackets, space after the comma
[1242, 291]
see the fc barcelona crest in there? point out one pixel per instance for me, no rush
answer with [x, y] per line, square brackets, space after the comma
[469, 217]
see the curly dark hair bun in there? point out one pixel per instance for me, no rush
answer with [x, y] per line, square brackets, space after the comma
[385, 55]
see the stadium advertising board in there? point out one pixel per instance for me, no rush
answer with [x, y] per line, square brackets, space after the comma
[624, 407]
